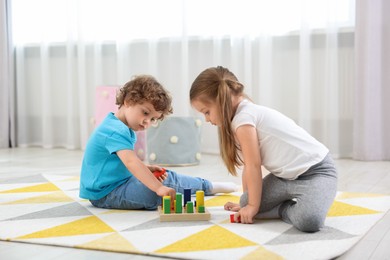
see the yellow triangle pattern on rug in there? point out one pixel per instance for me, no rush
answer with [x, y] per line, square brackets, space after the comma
[54, 197]
[35, 188]
[339, 209]
[212, 238]
[262, 253]
[221, 200]
[113, 242]
[89, 225]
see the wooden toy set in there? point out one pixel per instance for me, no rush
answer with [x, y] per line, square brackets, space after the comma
[184, 210]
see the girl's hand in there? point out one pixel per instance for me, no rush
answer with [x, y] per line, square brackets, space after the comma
[230, 206]
[246, 214]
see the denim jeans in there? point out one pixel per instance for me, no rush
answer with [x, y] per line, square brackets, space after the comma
[133, 194]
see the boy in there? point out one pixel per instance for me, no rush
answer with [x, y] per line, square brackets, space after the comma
[112, 176]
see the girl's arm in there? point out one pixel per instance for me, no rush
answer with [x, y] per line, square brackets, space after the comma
[143, 174]
[252, 176]
[243, 180]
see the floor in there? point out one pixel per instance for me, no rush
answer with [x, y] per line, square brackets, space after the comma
[354, 176]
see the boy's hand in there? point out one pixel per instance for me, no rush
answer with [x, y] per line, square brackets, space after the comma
[166, 191]
[154, 168]
[161, 175]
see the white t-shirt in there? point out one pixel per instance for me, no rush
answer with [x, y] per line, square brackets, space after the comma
[286, 149]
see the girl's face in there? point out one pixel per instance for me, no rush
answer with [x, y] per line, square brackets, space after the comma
[140, 116]
[209, 111]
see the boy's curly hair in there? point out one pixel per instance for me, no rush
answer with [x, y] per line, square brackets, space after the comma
[146, 88]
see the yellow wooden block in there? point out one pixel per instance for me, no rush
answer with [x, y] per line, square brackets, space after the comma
[199, 198]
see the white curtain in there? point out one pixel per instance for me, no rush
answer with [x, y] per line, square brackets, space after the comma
[372, 106]
[7, 87]
[286, 56]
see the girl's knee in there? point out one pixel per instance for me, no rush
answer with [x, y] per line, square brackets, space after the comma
[302, 220]
[310, 223]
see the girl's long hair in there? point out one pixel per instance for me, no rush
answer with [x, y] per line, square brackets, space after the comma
[218, 85]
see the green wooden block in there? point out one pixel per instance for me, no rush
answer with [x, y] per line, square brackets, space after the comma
[201, 209]
[179, 202]
[190, 207]
[167, 205]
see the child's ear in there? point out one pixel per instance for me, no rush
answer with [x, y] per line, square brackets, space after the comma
[126, 103]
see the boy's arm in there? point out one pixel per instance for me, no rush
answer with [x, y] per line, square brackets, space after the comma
[143, 174]
[156, 169]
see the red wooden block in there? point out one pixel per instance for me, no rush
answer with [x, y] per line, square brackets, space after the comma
[232, 218]
[158, 174]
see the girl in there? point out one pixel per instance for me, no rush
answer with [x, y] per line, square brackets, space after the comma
[112, 176]
[302, 182]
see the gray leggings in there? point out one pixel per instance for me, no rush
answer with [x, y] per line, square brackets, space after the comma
[303, 202]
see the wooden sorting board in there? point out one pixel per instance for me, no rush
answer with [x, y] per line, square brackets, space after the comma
[183, 216]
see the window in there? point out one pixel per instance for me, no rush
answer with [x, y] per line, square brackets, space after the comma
[40, 21]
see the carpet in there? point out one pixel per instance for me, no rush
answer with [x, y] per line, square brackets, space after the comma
[46, 209]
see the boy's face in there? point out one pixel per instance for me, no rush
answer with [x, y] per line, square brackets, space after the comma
[140, 116]
[209, 111]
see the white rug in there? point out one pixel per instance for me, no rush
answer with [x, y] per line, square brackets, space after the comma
[46, 209]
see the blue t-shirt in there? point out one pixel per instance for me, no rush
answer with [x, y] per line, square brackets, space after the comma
[102, 170]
